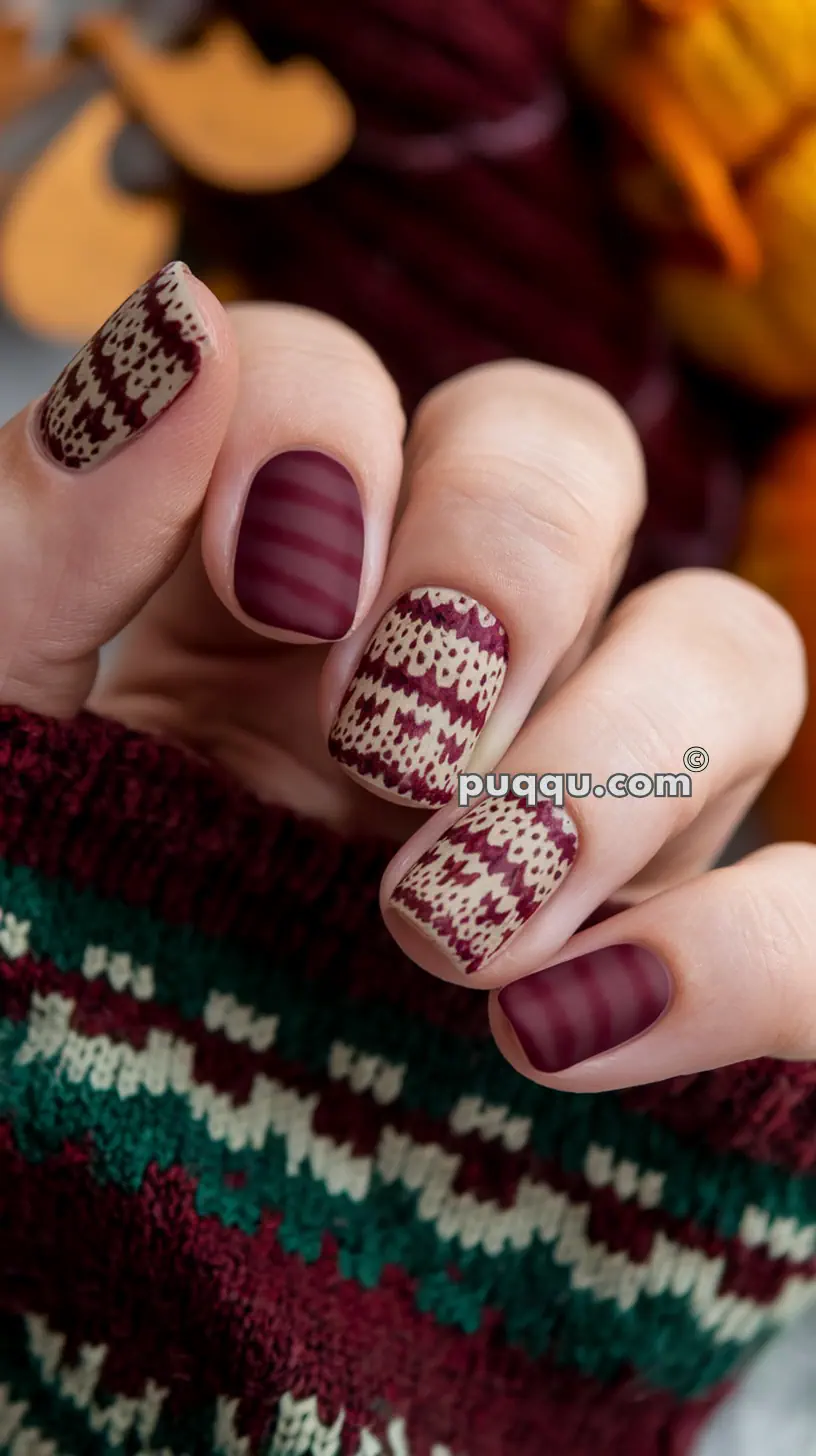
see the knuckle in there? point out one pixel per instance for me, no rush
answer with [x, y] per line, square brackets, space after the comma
[719, 615]
[552, 435]
[536, 537]
[266, 331]
[647, 739]
[773, 917]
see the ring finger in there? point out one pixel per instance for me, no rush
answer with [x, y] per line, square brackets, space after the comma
[678, 666]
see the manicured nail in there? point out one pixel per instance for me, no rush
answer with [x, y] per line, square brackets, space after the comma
[481, 882]
[586, 1006]
[299, 556]
[128, 374]
[421, 695]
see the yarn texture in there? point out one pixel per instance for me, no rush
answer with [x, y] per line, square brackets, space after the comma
[266, 1187]
[469, 222]
[717, 101]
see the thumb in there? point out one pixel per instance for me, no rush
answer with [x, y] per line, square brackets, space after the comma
[102, 483]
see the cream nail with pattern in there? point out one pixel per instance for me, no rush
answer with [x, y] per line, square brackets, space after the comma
[421, 695]
[132, 370]
[486, 876]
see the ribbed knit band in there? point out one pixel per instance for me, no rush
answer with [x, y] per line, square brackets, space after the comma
[266, 1187]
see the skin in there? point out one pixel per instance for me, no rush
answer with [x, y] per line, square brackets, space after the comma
[522, 487]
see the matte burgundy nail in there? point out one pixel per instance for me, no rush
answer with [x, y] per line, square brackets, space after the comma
[299, 556]
[586, 1006]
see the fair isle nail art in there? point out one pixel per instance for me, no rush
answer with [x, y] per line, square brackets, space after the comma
[128, 374]
[299, 555]
[586, 1006]
[421, 695]
[481, 882]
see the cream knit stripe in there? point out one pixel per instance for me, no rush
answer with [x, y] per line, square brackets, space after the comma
[427, 1170]
[298, 1429]
[368, 1072]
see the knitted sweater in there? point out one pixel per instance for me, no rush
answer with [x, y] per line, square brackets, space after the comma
[266, 1187]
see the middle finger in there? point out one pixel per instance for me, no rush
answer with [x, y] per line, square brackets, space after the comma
[524, 486]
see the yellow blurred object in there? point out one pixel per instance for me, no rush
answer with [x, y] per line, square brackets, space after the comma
[716, 101]
[223, 112]
[720, 96]
[71, 245]
[777, 555]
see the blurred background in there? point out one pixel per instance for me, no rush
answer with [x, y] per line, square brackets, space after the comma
[460, 183]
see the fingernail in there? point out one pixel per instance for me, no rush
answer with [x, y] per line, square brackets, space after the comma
[128, 374]
[481, 882]
[586, 1006]
[421, 695]
[299, 556]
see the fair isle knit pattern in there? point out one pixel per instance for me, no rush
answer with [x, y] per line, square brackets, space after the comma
[480, 882]
[421, 695]
[130, 372]
[267, 1188]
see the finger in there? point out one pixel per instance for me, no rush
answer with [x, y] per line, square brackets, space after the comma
[299, 512]
[678, 666]
[716, 971]
[522, 484]
[102, 482]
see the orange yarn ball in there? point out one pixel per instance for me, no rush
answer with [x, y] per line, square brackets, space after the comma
[721, 98]
[778, 555]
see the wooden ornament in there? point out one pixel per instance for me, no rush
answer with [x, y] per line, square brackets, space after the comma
[222, 112]
[72, 246]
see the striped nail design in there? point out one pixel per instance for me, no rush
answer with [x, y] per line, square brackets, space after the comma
[586, 1006]
[299, 556]
[128, 374]
[481, 882]
[421, 695]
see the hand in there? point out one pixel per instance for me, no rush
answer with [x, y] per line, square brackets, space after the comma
[218, 494]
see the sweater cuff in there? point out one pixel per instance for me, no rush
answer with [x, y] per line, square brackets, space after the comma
[328, 1210]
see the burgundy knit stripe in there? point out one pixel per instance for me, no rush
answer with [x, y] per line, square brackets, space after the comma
[307, 591]
[300, 494]
[764, 1109]
[302, 545]
[168, 331]
[204, 1310]
[357, 1120]
[424, 687]
[115, 395]
[113, 386]
[601, 1001]
[543, 813]
[446, 616]
[413, 784]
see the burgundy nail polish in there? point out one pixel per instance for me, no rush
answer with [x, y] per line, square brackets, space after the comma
[299, 556]
[586, 1006]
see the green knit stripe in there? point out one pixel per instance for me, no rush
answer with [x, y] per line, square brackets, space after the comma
[710, 1187]
[552, 1290]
